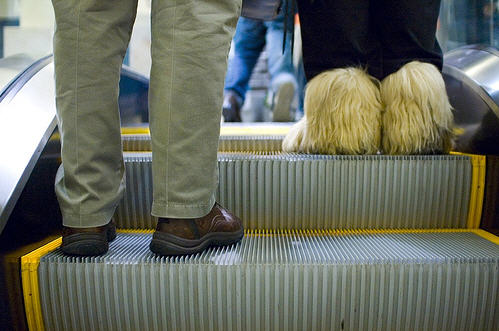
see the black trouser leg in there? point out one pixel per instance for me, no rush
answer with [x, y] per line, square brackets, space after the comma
[338, 34]
[406, 30]
[380, 35]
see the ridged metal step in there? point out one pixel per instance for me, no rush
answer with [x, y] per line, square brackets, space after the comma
[234, 137]
[280, 281]
[289, 191]
[229, 143]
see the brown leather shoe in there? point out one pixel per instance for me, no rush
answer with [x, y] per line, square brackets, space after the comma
[190, 236]
[88, 241]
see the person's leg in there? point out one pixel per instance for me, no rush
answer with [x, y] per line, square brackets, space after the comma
[342, 104]
[190, 44]
[418, 116]
[90, 41]
[279, 62]
[407, 30]
[249, 41]
[338, 34]
[302, 82]
[342, 115]
[282, 77]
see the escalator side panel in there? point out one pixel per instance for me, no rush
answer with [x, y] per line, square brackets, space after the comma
[28, 119]
[471, 74]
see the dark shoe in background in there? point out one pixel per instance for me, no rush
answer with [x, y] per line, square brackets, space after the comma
[88, 241]
[190, 236]
[231, 108]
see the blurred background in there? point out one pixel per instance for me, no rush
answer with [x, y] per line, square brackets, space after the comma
[26, 27]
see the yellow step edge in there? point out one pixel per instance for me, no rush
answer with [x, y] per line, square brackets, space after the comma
[145, 231]
[31, 290]
[487, 235]
[31, 261]
[254, 130]
[479, 169]
[280, 130]
[135, 130]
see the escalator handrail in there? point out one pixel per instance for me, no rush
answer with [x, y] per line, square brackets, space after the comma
[11, 89]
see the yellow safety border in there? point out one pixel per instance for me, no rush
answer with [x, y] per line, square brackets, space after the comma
[145, 231]
[280, 130]
[135, 130]
[31, 290]
[477, 191]
[478, 163]
[31, 261]
[29, 275]
[257, 130]
[487, 235]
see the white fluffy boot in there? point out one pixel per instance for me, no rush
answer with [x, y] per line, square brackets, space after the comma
[342, 115]
[418, 116]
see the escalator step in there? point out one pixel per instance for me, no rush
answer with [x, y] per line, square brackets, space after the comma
[280, 280]
[142, 143]
[287, 191]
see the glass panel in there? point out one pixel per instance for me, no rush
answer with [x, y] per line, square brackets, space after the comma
[464, 22]
[27, 26]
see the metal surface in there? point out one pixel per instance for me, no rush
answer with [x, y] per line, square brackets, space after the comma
[471, 74]
[12, 67]
[27, 117]
[270, 143]
[323, 192]
[281, 281]
[477, 67]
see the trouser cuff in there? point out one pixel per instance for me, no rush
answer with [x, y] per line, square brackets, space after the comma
[178, 210]
[88, 220]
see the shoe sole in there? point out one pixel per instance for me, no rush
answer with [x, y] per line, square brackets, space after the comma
[111, 232]
[282, 107]
[89, 244]
[167, 244]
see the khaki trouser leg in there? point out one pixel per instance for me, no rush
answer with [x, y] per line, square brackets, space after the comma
[190, 44]
[89, 45]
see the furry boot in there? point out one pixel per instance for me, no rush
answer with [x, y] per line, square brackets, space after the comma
[418, 116]
[342, 115]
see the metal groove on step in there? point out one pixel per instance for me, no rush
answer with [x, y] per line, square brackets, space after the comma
[136, 142]
[288, 280]
[290, 191]
[227, 143]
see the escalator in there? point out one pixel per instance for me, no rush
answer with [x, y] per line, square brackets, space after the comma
[332, 242]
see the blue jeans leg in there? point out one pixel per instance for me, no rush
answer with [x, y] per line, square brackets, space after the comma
[249, 41]
[279, 64]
